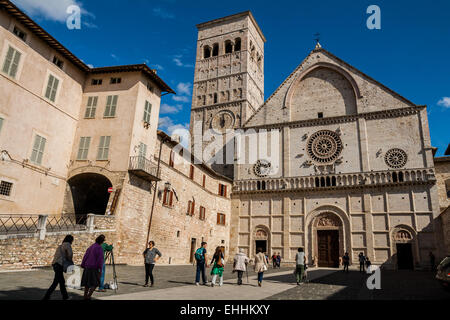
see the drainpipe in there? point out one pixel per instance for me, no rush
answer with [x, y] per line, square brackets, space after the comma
[156, 188]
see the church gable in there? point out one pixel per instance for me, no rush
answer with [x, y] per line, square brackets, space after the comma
[325, 86]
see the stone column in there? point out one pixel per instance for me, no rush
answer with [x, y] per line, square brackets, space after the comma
[42, 222]
[90, 222]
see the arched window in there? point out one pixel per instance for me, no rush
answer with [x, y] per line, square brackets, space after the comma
[215, 97]
[333, 181]
[328, 182]
[317, 183]
[400, 177]
[237, 44]
[215, 51]
[206, 52]
[322, 182]
[394, 177]
[228, 46]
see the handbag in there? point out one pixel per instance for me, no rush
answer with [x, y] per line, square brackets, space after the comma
[264, 268]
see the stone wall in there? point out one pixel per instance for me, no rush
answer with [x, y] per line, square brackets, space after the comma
[26, 252]
[445, 222]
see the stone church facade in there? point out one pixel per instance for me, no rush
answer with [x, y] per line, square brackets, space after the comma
[355, 171]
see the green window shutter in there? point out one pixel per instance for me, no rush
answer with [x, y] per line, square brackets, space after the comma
[83, 148]
[147, 111]
[8, 60]
[103, 148]
[114, 106]
[49, 86]
[111, 103]
[54, 89]
[38, 149]
[91, 107]
[142, 150]
[15, 64]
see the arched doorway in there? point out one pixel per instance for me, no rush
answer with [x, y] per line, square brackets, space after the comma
[404, 247]
[327, 227]
[261, 239]
[90, 194]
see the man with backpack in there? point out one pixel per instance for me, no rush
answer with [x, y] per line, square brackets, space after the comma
[200, 258]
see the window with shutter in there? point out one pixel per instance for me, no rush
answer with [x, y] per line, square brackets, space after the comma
[111, 105]
[1, 124]
[103, 148]
[11, 63]
[171, 198]
[83, 148]
[202, 213]
[171, 164]
[204, 181]
[221, 219]
[52, 88]
[147, 111]
[91, 108]
[38, 149]
[191, 173]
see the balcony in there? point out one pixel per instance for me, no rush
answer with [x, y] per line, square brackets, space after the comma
[144, 168]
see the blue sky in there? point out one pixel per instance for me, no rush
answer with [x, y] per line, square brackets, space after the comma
[410, 54]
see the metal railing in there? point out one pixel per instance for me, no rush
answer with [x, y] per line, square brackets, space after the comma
[55, 223]
[19, 224]
[144, 166]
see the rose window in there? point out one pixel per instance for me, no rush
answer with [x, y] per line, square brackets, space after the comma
[324, 146]
[262, 168]
[395, 158]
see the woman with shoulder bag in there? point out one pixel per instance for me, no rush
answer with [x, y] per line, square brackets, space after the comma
[260, 265]
[61, 261]
[218, 266]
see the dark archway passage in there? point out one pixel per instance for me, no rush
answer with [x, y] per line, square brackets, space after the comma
[405, 256]
[89, 193]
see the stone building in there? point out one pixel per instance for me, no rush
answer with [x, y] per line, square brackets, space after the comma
[77, 140]
[442, 167]
[355, 171]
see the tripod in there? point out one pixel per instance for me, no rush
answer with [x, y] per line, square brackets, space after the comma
[110, 257]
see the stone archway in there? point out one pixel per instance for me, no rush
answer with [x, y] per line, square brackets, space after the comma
[404, 248]
[328, 236]
[89, 193]
[261, 239]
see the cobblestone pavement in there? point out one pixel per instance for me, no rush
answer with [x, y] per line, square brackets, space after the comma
[395, 285]
[407, 285]
[32, 285]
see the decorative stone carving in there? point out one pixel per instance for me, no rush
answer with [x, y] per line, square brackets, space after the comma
[262, 168]
[402, 235]
[328, 220]
[324, 146]
[396, 158]
[222, 121]
[260, 234]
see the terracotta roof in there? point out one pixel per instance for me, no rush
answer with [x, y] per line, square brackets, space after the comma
[442, 159]
[173, 143]
[37, 30]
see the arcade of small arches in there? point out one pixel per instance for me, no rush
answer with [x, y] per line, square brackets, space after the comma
[227, 47]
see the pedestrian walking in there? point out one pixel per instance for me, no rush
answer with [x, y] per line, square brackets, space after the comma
[62, 259]
[274, 260]
[279, 260]
[106, 248]
[261, 265]
[368, 263]
[300, 265]
[151, 256]
[218, 263]
[346, 261]
[92, 264]
[240, 264]
[362, 260]
[200, 258]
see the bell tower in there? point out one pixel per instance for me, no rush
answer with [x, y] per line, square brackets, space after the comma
[229, 76]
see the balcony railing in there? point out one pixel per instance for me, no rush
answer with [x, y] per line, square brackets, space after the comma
[144, 168]
[333, 181]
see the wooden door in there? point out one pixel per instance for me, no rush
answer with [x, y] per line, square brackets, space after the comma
[193, 248]
[328, 248]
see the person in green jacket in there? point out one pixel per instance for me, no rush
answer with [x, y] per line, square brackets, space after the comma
[106, 248]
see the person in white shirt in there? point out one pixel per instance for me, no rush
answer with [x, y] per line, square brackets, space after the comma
[240, 264]
[300, 265]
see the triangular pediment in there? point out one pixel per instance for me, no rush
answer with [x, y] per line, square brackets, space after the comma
[322, 78]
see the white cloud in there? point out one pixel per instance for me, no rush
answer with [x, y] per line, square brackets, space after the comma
[53, 9]
[181, 98]
[175, 129]
[162, 13]
[184, 88]
[444, 102]
[179, 63]
[158, 67]
[165, 108]
[114, 56]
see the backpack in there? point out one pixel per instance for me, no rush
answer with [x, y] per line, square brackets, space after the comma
[199, 254]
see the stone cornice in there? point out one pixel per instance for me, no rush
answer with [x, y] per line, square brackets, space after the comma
[383, 114]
